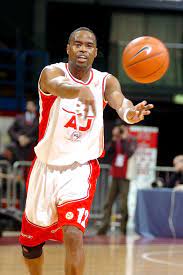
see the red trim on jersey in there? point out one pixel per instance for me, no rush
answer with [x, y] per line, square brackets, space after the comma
[103, 90]
[104, 104]
[39, 226]
[75, 113]
[77, 80]
[31, 235]
[45, 107]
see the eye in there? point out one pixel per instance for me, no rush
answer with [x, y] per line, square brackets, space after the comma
[90, 45]
[78, 44]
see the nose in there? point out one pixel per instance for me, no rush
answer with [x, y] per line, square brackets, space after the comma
[83, 48]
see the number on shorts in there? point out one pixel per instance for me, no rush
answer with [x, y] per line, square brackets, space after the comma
[82, 212]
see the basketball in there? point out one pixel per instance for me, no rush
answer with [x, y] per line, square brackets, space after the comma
[145, 59]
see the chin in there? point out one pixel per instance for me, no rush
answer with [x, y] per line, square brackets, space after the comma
[82, 65]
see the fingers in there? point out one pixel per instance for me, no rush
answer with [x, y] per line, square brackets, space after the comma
[145, 113]
[142, 109]
[140, 105]
[79, 109]
[141, 117]
[140, 114]
[86, 110]
[83, 107]
[143, 105]
[149, 106]
[93, 108]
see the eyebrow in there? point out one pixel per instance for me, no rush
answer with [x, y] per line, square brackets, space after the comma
[86, 42]
[80, 41]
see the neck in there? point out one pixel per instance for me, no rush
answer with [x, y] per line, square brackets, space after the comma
[79, 72]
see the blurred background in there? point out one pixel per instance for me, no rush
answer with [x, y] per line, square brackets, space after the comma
[35, 33]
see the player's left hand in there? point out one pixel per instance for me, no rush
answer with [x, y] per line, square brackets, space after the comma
[138, 112]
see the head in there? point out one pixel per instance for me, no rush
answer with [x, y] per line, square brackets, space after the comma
[123, 131]
[9, 152]
[178, 163]
[31, 106]
[116, 133]
[82, 48]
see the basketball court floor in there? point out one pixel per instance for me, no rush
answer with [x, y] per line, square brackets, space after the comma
[105, 255]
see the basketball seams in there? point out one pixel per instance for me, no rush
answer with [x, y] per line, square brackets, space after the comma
[147, 55]
[127, 51]
[142, 77]
[144, 59]
[154, 42]
[155, 71]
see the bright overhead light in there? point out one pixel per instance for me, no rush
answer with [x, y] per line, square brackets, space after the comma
[178, 99]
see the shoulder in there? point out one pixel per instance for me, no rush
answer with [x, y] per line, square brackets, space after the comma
[48, 74]
[100, 73]
[112, 84]
[112, 80]
[53, 69]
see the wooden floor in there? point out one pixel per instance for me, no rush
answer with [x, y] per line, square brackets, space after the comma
[104, 256]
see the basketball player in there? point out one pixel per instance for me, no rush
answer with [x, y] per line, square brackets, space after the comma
[62, 179]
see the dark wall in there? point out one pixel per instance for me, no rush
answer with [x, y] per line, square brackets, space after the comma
[169, 119]
[62, 19]
[150, 4]
[16, 23]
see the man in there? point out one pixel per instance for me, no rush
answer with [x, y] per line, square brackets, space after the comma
[23, 132]
[176, 179]
[62, 180]
[119, 150]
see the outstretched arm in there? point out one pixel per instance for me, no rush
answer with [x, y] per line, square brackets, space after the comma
[53, 81]
[126, 110]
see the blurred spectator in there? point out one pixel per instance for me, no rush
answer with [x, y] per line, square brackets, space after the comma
[120, 149]
[9, 153]
[176, 179]
[158, 183]
[24, 132]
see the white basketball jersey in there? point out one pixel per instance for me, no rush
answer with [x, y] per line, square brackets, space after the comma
[64, 136]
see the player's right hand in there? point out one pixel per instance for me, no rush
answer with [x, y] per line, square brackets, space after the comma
[138, 112]
[86, 98]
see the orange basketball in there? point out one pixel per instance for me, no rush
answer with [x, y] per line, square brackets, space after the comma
[145, 59]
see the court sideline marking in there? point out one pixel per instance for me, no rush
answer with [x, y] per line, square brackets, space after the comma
[148, 257]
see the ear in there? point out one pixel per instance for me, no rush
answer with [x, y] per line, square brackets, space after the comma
[68, 48]
[96, 51]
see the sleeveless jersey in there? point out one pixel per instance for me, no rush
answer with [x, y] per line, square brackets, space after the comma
[64, 136]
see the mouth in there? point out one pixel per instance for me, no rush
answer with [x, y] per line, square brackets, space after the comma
[82, 58]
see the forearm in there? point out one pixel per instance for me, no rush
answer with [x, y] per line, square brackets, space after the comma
[126, 110]
[60, 86]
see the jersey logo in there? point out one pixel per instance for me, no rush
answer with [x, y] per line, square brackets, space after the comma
[69, 215]
[72, 123]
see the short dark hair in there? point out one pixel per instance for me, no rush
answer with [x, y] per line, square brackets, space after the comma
[81, 29]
